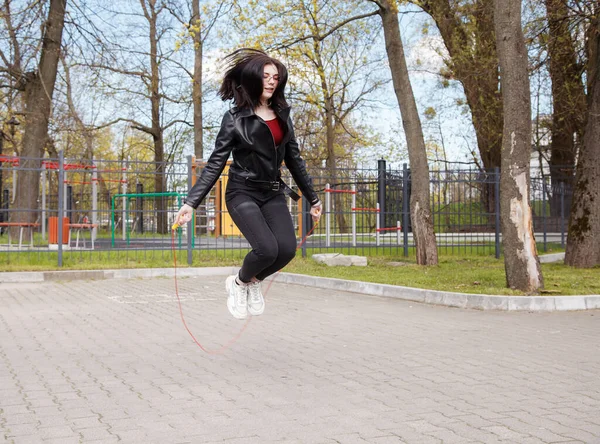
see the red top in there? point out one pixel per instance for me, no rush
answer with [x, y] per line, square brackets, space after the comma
[276, 130]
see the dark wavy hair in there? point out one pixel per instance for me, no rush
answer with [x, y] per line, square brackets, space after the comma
[243, 81]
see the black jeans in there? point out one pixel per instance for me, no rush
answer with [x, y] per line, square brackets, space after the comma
[265, 221]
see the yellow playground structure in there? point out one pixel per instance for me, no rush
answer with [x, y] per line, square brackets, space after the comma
[221, 220]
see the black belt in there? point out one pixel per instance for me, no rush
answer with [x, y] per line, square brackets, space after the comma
[269, 185]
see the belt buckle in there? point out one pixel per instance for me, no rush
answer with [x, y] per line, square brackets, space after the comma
[275, 186]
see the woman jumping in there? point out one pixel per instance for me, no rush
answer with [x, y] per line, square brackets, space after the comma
[258, 131]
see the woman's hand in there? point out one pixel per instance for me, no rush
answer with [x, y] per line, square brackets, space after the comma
[316, 210]
[184, 215]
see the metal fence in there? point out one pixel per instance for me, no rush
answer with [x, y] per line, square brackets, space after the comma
[120, 212]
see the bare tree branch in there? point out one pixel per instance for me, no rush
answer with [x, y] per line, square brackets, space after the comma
[173, 122]
[113, 69]
[321, 37]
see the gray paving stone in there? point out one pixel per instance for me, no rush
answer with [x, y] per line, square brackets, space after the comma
[56, 432]
[32, 439]
[109, 360]
[62, 441]
[21, 430]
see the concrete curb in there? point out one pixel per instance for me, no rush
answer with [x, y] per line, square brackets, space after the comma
[448, 299]
[551, 258]
[129, 273]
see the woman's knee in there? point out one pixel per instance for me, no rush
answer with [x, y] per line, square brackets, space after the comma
[287, 252]
[268, 253]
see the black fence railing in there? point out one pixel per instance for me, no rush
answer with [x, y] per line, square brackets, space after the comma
[57, 210]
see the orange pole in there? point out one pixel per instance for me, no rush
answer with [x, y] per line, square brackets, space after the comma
[218, 209]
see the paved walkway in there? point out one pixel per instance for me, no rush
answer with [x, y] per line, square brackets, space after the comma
[108, 361]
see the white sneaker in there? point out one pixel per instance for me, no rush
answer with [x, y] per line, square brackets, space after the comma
[237, 299]
[256, 301]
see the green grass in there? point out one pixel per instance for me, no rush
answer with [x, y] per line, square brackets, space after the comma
[102, 260]
[462, 273]
[448, 218]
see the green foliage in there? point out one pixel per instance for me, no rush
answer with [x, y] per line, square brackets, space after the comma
[430, 113]
[331, 73]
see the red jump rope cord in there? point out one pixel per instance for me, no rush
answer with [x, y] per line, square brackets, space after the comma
[232, 341]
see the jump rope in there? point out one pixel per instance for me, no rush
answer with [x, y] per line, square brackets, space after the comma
[234, 339]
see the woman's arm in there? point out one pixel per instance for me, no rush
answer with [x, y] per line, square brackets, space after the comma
[216, 162]
[297, 167]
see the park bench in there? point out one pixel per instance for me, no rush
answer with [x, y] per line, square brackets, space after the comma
[78, 228]
[21, 225]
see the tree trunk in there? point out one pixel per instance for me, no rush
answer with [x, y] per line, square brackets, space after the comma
[39, 88]
[197, 80]
[156, 129]
[568, 100]
[331, 161]
[522, 266]
[2, 229]
[583, 244]
[420, 210]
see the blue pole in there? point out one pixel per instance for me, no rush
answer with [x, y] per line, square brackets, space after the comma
[544, 214]
[562, 214]
[405, 208]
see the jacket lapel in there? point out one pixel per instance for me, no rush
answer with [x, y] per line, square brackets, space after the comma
[284, 115]
[244, 112]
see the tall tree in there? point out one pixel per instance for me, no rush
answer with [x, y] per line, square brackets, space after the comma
[151, 11]
[522, 266]
[568, 100]
[37, 88]
[328, 49]
[467, 29]
[195, 31]
[583, 245]
[88, 132]
[143, 71]
[201, 22]
[420, 209]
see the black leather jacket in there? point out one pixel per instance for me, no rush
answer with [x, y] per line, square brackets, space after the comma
[254, 154]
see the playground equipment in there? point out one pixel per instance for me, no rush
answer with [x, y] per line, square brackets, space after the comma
[48, 165]
[355, 209]
[328, 191]
[218, 220]
[126, 198]
[83, 224]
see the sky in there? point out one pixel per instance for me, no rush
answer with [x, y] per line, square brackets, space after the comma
[450, 127]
